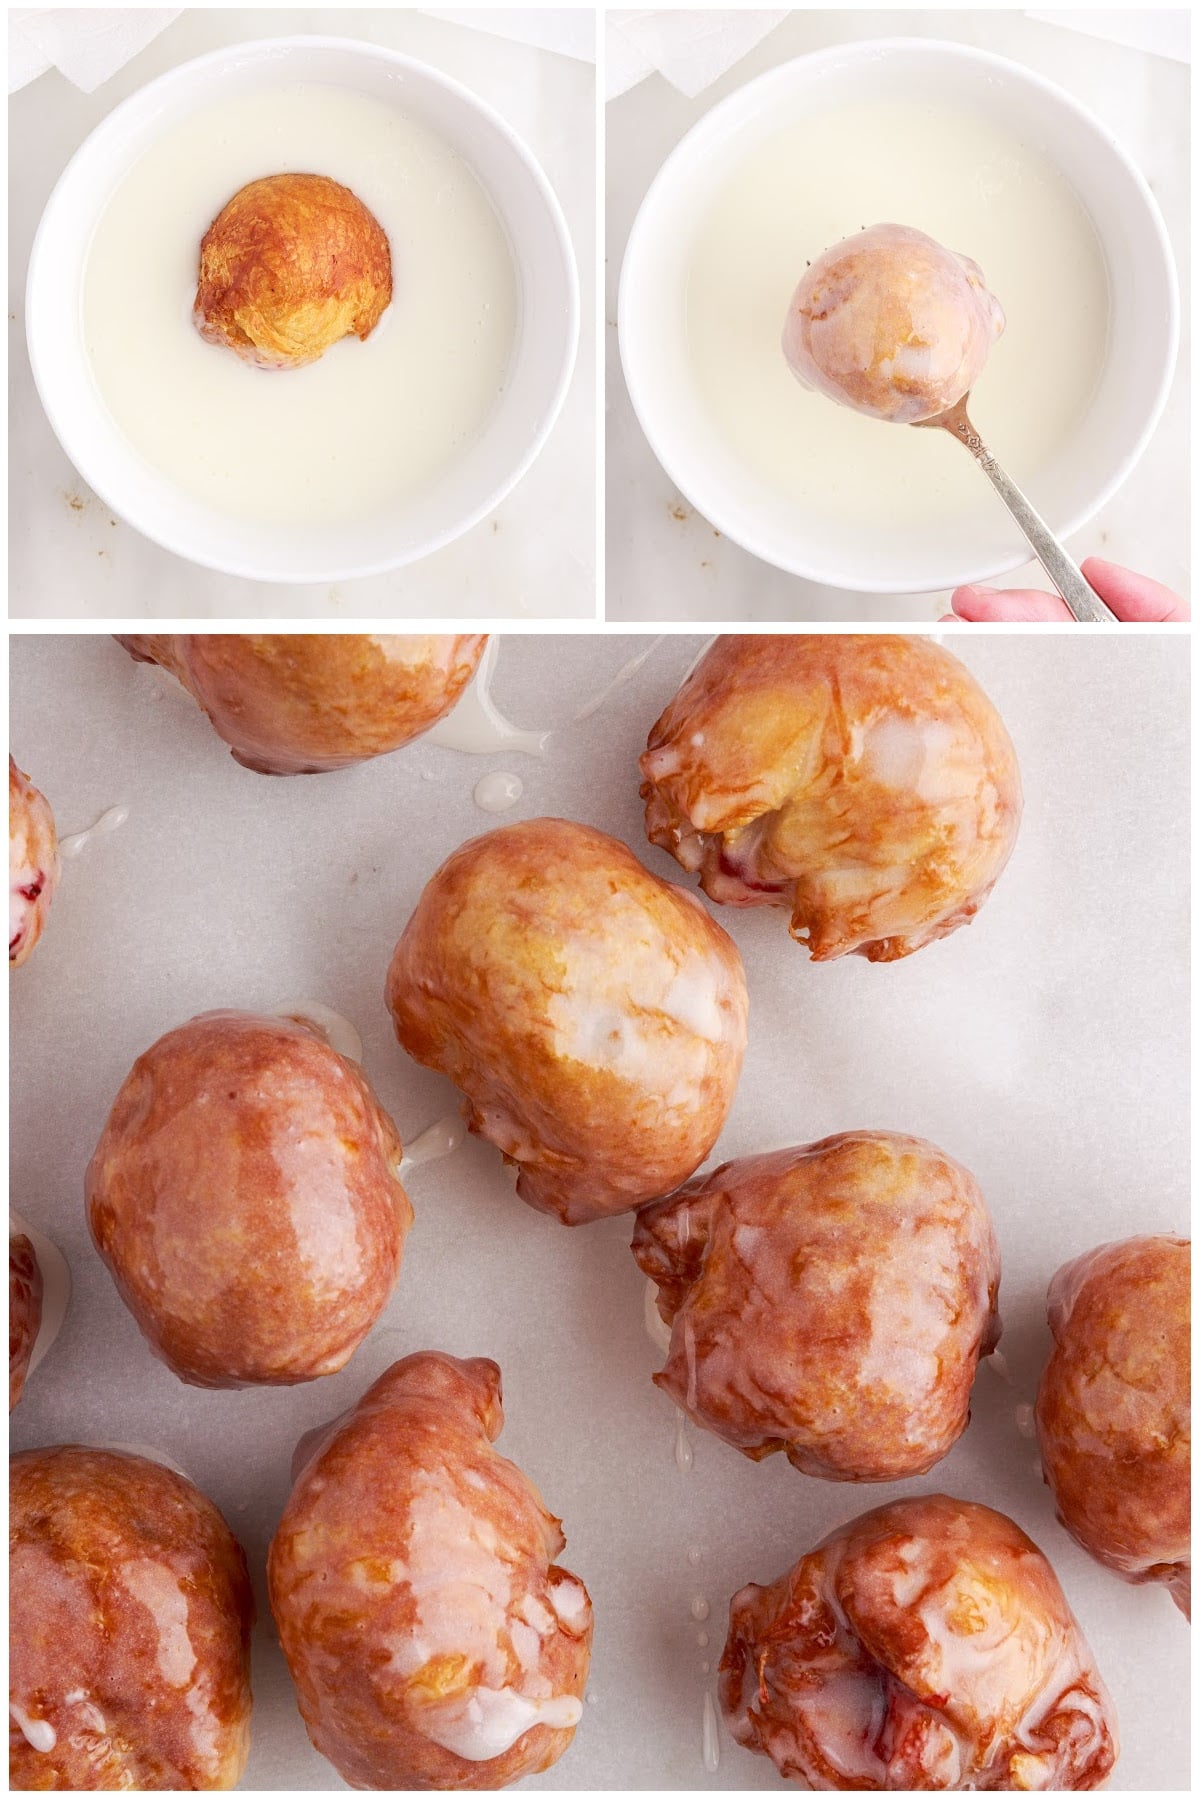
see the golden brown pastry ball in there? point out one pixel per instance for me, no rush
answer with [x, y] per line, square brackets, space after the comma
[297, 703]
[433, 1639]
[245, 1197]
[926, 1646]
[130, 1616]
[1114, 1408]
[866, 784]
[830, 1301]
[891, 324]
[33, 864]
[593, 1015]
[288, 266]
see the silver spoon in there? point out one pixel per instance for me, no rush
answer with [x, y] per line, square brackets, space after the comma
[1083, 602]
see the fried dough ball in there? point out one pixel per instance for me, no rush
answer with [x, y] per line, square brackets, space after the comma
[1114, 1408]
[830, 1301]
[892, 325]
[433, 1640]
[24, 1311]
[927, 1645]
[299, 704]
[33, 864]
[593, 1015]
[244, 1195]
[288, 266]
[867, 784]
[130, 1616]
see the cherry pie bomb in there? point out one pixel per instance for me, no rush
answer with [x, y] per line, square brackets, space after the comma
[245, 1197]
[831, 1301]
[33, 864]
[1114, 1408]
[865, 784]
[434, 1640]
[924, 1646]
[130, 1617]
[300, 704]
[593, 1015]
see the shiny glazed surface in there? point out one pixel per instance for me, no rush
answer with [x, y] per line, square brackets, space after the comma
[891, 324]
[593, 1015]
[24, 1312]
[1114, 1408]
[289, 265]
[130, 1627]
[298, 704]
[830, 1301]
[244, 1195]
[865, 783]
[926, 1645]
[33, 864]
[433, 1640]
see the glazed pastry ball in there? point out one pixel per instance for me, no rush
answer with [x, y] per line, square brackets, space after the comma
[244, 1194]
[24, 1311]
[297, 704]
[33, 864]
[130, 1616]
[433, 1640]
[892, 325]
[1114, 1408]
[593, 1015]
[288, 266]
[927, 1645]
[830, 1301]
[865, 784]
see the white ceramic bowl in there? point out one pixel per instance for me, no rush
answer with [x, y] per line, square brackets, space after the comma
[543, 356]
[1143, 328]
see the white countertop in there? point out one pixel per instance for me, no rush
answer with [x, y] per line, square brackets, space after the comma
[1045, 1046]
[663, 560]
[534, 557]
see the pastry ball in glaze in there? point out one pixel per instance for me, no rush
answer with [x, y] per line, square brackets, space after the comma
[24, 1311]
[593, 1015]
[892, 325]
[288, 266]
[1114, 1408]
[433, 1639]
[33, 864]
[830, 1301]
[130, 1617]
[865, 784]
[927, 1645]
[244, 1194]
[299, 704]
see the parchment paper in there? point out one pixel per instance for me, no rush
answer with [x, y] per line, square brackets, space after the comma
[1045, 1047]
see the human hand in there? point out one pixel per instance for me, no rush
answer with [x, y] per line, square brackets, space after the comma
[1133, 598]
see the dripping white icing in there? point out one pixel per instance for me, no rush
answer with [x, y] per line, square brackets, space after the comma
[1025, 1421]
[498, 791]
[39, 1734]
[108, 821]
[488, 1721]
[476, 726]
[657, 1329]
[684, 1456]
[699, 1608]
[439, 1139]
[710, 1743]
[337, 1031]
[625, 673]
[56, 1285]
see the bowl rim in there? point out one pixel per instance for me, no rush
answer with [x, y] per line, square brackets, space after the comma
[858, 50]
[218, 59]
